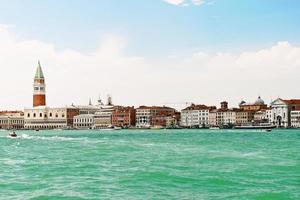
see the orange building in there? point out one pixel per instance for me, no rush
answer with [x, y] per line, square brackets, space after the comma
[123, 116]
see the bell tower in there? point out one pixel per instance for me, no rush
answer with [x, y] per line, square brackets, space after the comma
[39, 87]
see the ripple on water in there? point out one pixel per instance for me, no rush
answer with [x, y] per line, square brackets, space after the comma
[182, 164]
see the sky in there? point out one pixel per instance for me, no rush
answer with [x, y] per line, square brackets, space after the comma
[155, 52]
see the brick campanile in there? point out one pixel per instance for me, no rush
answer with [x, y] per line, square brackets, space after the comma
[39, 88]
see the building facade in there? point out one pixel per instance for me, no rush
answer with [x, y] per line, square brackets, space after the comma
[244, 117]
[222, 117]
[43, 117]
[145, 113]
[84, 121]
[103, 118]
[12, 120]
[196, 116]
[281, 111]
[165, 120]
[123, 116]
[295, 118]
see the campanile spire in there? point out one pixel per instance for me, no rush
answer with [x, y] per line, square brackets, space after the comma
[39, 87]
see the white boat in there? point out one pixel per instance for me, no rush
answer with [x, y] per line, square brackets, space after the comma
[156, 127]
[214, 128]
[261, 126]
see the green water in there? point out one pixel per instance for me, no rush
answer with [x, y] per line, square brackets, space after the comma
[150, 164]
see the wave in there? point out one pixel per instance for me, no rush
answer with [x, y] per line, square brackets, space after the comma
[53, 138]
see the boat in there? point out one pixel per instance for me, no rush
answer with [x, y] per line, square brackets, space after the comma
[13, 135]
[268, 130]
[156, 127]
[117, 128]
[259, 126]
[214, 128]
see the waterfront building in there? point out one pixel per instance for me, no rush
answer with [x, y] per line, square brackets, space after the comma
[43, 117]
[11, 120]
[173, 121]
[212, 117]
[244, 117]
[123, 116]
[145, 113]
[223, 116]
[263, 116]
[165, 120]
[259, 104]
[84, 121]
[195, 116]
[103, 118]
[281, 111]
[229, 117]
[268, 115]
[295, 118]
[220, 114]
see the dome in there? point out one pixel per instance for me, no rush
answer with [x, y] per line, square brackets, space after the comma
[242, 103]
[259, 101]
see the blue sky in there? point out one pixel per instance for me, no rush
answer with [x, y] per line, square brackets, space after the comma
[155, 27]
[150, 51]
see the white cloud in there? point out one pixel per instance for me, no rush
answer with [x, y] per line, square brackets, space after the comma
[73, 76]
[197, 2]
[185, 2]
[175, 2]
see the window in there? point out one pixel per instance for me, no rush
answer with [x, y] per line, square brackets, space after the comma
[28, 115]
[41, 115]
[50, 114]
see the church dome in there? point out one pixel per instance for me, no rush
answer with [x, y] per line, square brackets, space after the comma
[242, 102]
[259, 101]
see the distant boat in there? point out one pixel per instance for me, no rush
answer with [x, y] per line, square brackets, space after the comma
[156, 127]
[117, 128]
[13, 135]
[214, 128]
[262, 126]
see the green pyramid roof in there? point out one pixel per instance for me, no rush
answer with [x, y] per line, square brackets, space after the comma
[39, 72]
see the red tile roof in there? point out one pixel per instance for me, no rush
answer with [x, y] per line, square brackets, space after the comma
[199, 107]
[292, 101]
[155, 107]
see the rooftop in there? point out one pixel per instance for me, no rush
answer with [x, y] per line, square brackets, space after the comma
[292, 101]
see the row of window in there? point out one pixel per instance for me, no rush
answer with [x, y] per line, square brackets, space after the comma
[85, 120]
[45, 115]
[14, 121]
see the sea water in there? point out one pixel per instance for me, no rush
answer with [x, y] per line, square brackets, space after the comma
[150, 164]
